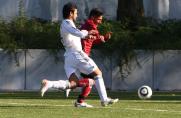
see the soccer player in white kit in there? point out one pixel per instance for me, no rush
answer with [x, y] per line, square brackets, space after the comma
[76, 61]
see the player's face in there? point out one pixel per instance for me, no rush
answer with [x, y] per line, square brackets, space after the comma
[98, 20]
[74, 15]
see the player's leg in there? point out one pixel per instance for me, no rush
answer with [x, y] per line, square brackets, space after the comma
[65, 84]
[47, 84]
[75, 82]
[60, 84]
[100, 86]
[70, 69]
[85, 92]
[87, 84]
[84, 83]
[87, 66]
[98, 82]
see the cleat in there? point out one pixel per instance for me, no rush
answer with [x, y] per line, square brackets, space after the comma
[44, 87]
[109, 102]
[67, 92]
[83, 104]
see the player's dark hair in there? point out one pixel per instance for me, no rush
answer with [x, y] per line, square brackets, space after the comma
[67, 8]
[95, 12]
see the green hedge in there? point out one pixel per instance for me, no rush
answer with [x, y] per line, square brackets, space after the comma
[29, 34]
[145, 33]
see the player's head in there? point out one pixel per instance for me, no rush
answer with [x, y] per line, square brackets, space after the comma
[70, 11]
[97, 15]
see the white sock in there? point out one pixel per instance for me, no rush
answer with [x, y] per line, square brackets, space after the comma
[60, 84]
[99, 83]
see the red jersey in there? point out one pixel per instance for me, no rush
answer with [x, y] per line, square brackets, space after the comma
[88, 43]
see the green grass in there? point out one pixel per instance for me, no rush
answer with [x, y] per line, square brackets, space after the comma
[55, 105]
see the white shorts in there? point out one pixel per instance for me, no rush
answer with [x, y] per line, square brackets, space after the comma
[76, 62]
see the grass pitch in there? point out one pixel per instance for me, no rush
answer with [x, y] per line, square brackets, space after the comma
[55, 105]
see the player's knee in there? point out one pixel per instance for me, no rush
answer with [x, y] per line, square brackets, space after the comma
[73, 79]
[73, 84]
[97, 72]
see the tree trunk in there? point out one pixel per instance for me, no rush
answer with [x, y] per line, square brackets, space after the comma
[129, 9]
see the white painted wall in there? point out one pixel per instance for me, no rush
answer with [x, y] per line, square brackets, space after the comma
[159, 70]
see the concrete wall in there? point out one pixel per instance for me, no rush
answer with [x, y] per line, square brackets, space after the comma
[159, 70]
[12, 76]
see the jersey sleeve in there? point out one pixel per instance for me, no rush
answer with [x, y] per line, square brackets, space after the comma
[89, 25]
[66, 25]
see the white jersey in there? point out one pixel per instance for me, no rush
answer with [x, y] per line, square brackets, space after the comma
[76, 60]
[71, 36]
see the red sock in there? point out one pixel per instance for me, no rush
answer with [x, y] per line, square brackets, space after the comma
[85, 90]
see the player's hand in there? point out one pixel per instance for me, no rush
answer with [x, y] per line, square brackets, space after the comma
[102, 38]
[92, 37]
[108, 35]
[93, 32]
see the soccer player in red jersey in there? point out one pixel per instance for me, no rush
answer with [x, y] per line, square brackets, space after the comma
[95, 18]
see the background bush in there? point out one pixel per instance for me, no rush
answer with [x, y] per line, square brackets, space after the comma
[146, 34]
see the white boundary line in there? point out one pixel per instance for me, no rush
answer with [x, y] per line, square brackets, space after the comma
[27, 104]
[153, 101]
[155, 110]
[134, 109]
